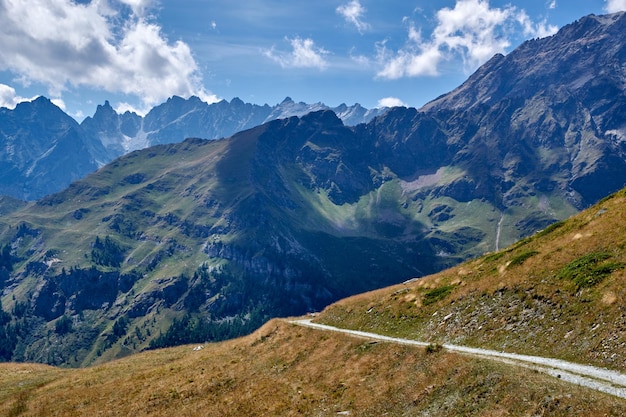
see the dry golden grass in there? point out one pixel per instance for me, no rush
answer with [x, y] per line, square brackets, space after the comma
[286, 370]
[515, 300]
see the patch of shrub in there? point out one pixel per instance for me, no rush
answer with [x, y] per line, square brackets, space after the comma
[433, 348]
[492, 257]
[437, 294]
[590, 269]
[107, 252]
[522, 257]
[549, 229]
[63, 325]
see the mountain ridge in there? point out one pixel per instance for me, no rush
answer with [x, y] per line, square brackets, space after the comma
[106, 135]
[202, 240]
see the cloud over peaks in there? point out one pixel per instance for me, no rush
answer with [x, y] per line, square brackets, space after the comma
[390, 102]
[9, 98]
[304, 54]
[472, 31]
[102, 45]
[614, 6]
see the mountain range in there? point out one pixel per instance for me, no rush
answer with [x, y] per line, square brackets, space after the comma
[207, 239]
[558, 295]
[44, 149]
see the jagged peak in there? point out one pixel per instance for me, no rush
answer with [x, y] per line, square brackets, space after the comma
[39, 102]
[106, 107]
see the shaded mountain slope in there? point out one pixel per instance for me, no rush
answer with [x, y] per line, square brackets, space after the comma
[228, 232]
[42, 150]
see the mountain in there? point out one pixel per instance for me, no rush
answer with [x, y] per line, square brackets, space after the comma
[178, 119]
[44, 149]
[204, 240]
[558, 295]
[216, 235]
[550, 113]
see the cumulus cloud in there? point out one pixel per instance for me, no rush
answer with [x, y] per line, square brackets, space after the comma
[59, 103]
[390, 102]
[353, 13]
[471, 31]
[103, 45]
[614, 6]
[304, 54]
[9, 98]
[537, 30]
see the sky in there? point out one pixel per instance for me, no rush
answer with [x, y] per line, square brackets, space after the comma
[138, 53]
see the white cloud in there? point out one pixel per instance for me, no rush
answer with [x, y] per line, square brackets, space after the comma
[538, 30]
[61, 44]
[614, 6]
[552, 5]
[353, 13]
[471, 31]
[304, 55]
[59, 103]
[124, 107]
[422, 59]
[390, 102]
[9, 98]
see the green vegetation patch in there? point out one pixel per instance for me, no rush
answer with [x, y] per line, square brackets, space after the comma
[549, 229]
[107, 252]
[522, 257]
[492, 257]
[432, 296]
[590, 269]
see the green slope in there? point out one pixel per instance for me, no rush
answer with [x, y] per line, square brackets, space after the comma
[195, 241]
[559, 293]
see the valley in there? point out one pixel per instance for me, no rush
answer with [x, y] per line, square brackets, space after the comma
[166, 271]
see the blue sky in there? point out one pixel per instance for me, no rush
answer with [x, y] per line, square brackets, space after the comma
[137, 53]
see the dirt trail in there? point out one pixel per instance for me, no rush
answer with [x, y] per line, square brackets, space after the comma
[599, 379]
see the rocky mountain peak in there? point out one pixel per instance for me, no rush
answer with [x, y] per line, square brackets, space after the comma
[575, 56]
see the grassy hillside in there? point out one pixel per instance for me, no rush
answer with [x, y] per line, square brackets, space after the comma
[202, 240]
[286, 370]
[559, 293]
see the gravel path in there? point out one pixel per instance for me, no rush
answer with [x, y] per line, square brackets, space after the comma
[603, 380]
